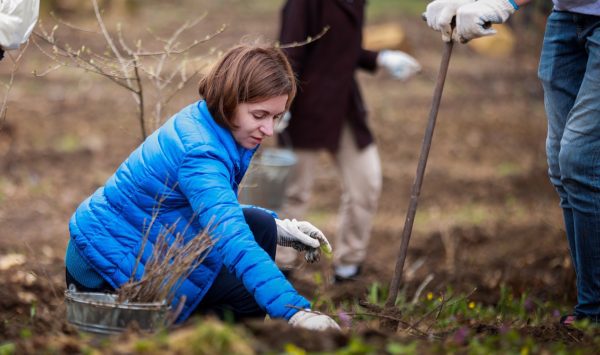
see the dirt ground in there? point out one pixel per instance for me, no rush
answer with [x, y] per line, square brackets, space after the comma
[487, 217]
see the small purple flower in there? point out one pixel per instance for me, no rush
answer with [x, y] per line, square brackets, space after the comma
[345, 319]
[503, 329]
[556, 313]
[461, 335]
[529, 305]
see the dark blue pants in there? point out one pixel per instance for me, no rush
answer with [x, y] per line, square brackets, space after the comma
[227, 296]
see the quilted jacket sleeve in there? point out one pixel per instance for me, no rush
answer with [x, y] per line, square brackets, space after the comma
[205, 179]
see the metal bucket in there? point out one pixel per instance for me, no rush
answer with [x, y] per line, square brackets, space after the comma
[265, 182]
[100, 313]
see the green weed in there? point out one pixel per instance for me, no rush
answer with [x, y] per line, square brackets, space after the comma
[402, 349]
[356, 346]
[7, 349]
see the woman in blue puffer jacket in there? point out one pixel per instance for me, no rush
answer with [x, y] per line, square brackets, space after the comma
[191, 168]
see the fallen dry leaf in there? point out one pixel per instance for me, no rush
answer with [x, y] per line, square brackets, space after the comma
[9, 260]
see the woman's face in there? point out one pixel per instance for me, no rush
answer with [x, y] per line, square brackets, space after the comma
[256, 120]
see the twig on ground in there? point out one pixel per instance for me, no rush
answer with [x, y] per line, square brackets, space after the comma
[440, 307]
[37, 263]
[421, 287]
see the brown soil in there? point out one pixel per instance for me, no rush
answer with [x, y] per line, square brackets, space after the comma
[487, 215]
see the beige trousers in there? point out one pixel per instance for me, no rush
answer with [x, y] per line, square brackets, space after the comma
[360, 173]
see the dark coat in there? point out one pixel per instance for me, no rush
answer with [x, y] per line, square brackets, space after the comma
[328, 94]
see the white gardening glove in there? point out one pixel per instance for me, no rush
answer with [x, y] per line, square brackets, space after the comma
[399, 64]
[473, 20]
[302, 236]
[439, 15]
[17, 19]
[313, 321]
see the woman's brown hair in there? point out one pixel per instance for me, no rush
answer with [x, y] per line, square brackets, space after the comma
[246, 73]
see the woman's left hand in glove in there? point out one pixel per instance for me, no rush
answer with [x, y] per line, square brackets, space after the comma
[302, 236]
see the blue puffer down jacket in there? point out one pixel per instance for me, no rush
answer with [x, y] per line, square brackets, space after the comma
[193, 166]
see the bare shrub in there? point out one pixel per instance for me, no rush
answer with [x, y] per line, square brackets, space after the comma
[136, 68]
[171, 262]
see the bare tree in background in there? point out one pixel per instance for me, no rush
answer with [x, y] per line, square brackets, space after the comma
[132, 67]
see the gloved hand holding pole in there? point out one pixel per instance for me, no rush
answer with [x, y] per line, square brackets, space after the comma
[473, 18]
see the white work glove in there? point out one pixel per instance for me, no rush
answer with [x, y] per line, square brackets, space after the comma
[439, 15]
[313, 321]
[473, 20]
[399, 64]
[17, 19]
[302, 236]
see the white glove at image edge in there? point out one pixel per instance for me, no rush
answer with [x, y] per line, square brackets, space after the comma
[302, 236]
[18, 18]
[313, 321]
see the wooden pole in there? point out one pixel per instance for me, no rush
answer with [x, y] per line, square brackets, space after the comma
[416, 188]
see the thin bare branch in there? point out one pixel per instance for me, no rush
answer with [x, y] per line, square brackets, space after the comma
[76, 56]
[179, 87]
[122, 42]
[421, 287]
[79, 62]
[70, 25]
[16, 61]
[186, 49]
[186, 26]
[308, 40]
[39, 265]
[140, 94]
[439, 308]
[113, 48]
[48, 71]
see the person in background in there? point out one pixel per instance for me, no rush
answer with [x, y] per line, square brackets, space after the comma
[185, 177]
[17, 19]
[329, 114]
[569, 70]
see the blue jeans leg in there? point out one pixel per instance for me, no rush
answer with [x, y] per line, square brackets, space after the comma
[570, 74]
[227, 295]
